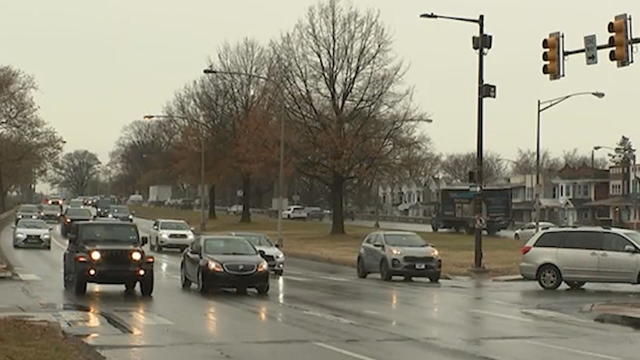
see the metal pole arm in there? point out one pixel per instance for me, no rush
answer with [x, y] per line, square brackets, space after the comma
[434, 16]
[553, 102]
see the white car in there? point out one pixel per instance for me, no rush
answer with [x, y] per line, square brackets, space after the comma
[235, 209]
[294, 212]
[32, 233]
[174, 234]
[272, 254]
[528, 230]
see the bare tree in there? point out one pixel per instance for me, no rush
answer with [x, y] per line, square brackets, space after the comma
[341, 83]
[75, 170]
[525, 163]
[456, 167]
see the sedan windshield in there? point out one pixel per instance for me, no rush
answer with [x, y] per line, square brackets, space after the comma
[28, 209]
[404, 240]
[109, 233]
[32, 224]
[228, 246]
[79, 212]
[256, 239]
[174, 225]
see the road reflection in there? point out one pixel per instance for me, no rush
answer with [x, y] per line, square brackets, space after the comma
[212, 320]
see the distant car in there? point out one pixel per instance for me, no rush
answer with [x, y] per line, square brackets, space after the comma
[56, 201]
[107, 252]
[224, 262]
[314, 213]
[294, 212]
[235, 209]
[102, 206]
[73, 215]
[135, 199]
[50, 213]
[32, 233]
[27, 212]
[121, 213]
[166, 233]
[272, 254]
[398, 253]
[529, 229]
[580, 255]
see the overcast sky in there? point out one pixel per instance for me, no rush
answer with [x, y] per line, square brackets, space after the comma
[103, 64]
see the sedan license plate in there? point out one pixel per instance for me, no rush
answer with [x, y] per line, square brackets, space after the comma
[421, 266]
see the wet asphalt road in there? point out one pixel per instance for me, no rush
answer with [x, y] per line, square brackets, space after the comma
[318, 311]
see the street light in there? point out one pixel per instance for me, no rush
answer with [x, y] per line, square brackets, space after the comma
[210, 71]
[203, 221]
[596, 148]
[481, 42]
[542, 106]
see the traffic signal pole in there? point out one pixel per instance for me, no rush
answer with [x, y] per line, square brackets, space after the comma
[479, 151]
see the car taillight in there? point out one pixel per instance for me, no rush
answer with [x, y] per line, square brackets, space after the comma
[525, 250]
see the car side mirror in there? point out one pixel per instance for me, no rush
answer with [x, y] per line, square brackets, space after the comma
[380, 246]
[262, 253]
[192, 228]
[277, 245]
[630, 249]
[145, 240]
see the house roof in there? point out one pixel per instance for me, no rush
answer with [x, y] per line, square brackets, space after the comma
[614, 201]
[582, 172]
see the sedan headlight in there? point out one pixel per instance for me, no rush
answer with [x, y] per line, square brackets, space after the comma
[95, 255]
[435, 252]
[21, 235]
[214, 266]
[136, 255]
[263, 266]
[395, 251]
[46, 236]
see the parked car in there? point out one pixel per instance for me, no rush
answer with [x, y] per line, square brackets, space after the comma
[314, 213]
[72, 215]
[235, 209]
[580, 255]
[50, 213]
[120, 212]
[529, 229]
[272, 254]
[32, 233]
[224, 262]
[398, 253]
[167, 233]
[294, 212]
[107, 252]
[27, 212]
[135, 199]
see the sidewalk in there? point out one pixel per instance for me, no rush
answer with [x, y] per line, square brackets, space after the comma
[626, 314]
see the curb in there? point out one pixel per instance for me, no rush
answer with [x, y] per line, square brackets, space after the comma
[618, 319]
[508, 278]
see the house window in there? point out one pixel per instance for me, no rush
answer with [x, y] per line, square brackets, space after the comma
[561, 190]
[555, 192]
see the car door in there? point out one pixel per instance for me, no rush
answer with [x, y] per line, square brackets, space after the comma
[615, 264]
[192, 259]
[366, 252]
[377, 251]
[579, 254]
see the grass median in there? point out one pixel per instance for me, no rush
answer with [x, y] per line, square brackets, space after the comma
[311, 239]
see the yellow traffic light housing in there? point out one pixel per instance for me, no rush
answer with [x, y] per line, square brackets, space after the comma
[620, 27]
[553, 56]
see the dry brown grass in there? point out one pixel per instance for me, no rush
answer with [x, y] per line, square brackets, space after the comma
[24, 340]
[311, 239]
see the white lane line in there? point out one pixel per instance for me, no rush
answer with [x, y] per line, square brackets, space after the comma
[342, 351]
[333, 278]
[504, 316]
[570, 350]
[329, 317]
[29, 277]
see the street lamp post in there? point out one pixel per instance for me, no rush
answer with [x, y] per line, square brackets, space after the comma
[483, 41]
[542, 106]
[203, 220]
[281, 155]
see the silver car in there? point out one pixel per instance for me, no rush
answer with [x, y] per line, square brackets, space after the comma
[32, 233]
[272, 254]
[529, 229]
[580, 255]
[174, 234]
[398, 253]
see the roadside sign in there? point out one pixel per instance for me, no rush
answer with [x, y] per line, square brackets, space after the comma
[481, 222]
[591, 49]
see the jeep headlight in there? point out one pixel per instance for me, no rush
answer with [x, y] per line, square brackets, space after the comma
[95, 255]
[435, 252]
[136, 255]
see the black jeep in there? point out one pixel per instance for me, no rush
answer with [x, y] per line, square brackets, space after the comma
[107, 252]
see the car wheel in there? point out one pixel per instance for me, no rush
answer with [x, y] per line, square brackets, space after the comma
[202, 285]
[184, 281]
[549, 277]
[362, 273]
[146, 285]
[385, 273]
[516, 237]
[434, 228]
[435, 278]
[575, 285]
[279, 272]
[263, 289]
[79, 285]
[152, 246]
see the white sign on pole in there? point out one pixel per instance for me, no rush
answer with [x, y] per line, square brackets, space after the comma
[591, 49]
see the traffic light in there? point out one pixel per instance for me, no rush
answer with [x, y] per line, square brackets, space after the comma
[553, 56]
[619, 27]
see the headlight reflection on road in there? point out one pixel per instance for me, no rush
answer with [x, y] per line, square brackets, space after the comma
[281, 290]
[212, 320]
[263, 313]
[394, 300]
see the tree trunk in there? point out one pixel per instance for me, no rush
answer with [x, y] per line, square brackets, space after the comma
[337, 205]
[212, 201]
[246, 199]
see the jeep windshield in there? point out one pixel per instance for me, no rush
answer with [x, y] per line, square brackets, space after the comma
[108, 233]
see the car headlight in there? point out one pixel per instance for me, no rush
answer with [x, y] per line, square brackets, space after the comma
[19, 216]
[110, 215]
[214, 266]
[21, 235]
[34, 216]
[164, 235]
[263, 266]
[136, 255]
[435, 252]
[395, 251]
[190, 236]
[130, 216]
[95, 255]
[46, 236]
[279, 256]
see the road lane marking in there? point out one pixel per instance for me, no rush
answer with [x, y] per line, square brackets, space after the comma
[575, 351]
[29, 277]
[504, 316]
[332, 278]
[342, 351]
[329, 317]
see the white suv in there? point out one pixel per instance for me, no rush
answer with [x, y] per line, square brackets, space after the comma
[580, 255]
[170, 234]
[294, 212]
